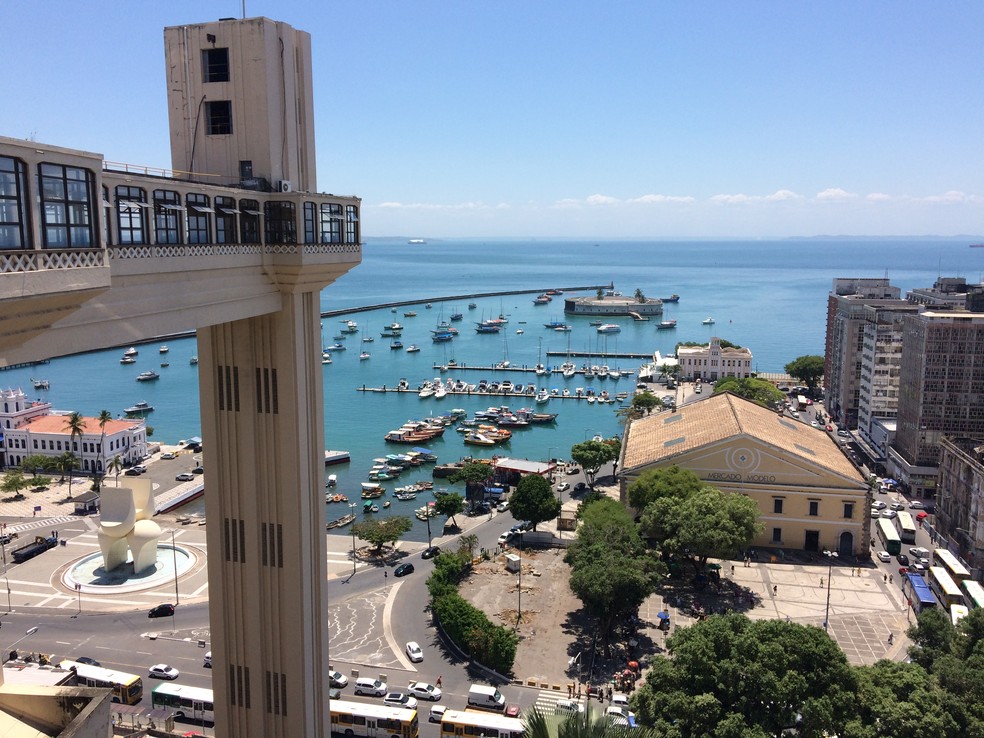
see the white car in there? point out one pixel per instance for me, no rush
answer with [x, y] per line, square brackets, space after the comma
[414, 652]
[502, 506]
[884, 556]
[337, 679]
[879, 505]
[563, 487]
[169, 455]
[399, 699]
[504, 538]
[436, 713]
[424, 691]
[888, 514]
[916, 505]
[163, 671]
[919, 552]
[875, 513]
[897, 506]
[568, 707]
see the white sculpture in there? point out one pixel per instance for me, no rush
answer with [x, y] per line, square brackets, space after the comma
[125, 524]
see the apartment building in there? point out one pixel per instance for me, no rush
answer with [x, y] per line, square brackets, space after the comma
[960, 499]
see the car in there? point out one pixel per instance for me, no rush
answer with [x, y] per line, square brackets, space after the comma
[169, 455]
[917, 567]
[414, 652]
[132, 472]
[7, 538]
[580, 487]
[620, 699]
[526, 525]
[505, 537]
[563, 487]
[430, 552]
[814, 423]
[334, 694]
[436, 713]
[87, 660]
[424, 691]
[875, 513]
[902, 559]
[163, 671]
[568, 707]
[502, 506]
[844, 433]
[161, 611]
[889, 514]
[403, 569]
[512, 710]
[207, 661]
[919, 552]
[198, 470]
[917, 505]
[879, 505]
[897, 506]
[337, 679]
[830, 428]
[620, 716]
[884, 556]
[184, 477]
[399, 699]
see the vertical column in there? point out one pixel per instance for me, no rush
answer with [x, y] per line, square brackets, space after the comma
[263, 427]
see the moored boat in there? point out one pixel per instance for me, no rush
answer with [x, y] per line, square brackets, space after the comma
[148, 376]
[609, 328]
[139, 408]
[664, 325]
[708, 321]
[340, 522]
[672, 298]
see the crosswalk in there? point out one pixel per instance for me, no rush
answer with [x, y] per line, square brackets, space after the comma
[48, 523]
[547, 699]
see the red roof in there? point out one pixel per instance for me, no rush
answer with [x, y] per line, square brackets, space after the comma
[56, 424]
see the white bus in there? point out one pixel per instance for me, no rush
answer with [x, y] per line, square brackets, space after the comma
[973, 594]
[906, 526]
[375, 720]
[889, 536]
[476, 723]
[190, 704]
[957, 571]
[943, 586]
[127, 688]
[957, 612]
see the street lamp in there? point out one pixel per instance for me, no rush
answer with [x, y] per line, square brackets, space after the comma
[78, 591]
[174, 555]
[352, 507]
[831, 555]
[519, 584]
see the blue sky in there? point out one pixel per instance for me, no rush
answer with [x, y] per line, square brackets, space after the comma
[569, 119]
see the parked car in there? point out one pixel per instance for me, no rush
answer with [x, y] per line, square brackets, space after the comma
[917, 505]
[502, 506]
[184, 477]
[879, 505]
[403, 569]
[580, 487]
[87, 660]
[902, 559]
[505, 537]
[399, 699]
[198, 470]
[563, 487]
[884, 556]
[169, 455]
[430, 552]
[919, 552]
[163, 671]
[424, 691]
[337, 679]
[132, 472]
[512, 710]
[844, 433]
[161, 611]
[414, 652]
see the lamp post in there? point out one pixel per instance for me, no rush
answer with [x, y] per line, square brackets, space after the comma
[174, 559]
[429, 542]
[831, 555]
[519, 584]
[78, 591]
[3, 550]
[352, 507]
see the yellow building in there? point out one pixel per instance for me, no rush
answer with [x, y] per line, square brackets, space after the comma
[809, 494]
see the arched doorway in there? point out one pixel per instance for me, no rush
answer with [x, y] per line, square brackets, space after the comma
[846, 545]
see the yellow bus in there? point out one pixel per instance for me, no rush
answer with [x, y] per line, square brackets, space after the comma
[907, 528]
[958, 612]
[373, 720]
[477, 723]
[957, 571]
[127, 688]
[943, 586]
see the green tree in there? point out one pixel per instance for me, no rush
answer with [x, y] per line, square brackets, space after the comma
[115, 467]
[450, 505]
[646, 402]
[75, 425]
[731, 676]
[475, 475]
[759, 391]
[933, 636]
[534, 500]
[639, 295]
[103, 418]
[671, 481]
[592, 455]
[66, 463]
[807, 369]
[467, 544]
[899, 700]
[14, 483]
[36, 463]
[380, 532]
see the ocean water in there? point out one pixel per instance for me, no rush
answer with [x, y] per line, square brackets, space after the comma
[767, 295]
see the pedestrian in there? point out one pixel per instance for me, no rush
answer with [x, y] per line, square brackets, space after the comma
[775, 589]
[889, 578]
[385, 574]
[570, 689]
[439, 680]
[891, 638]
[732, 570]
[821, 582]
[885, 576]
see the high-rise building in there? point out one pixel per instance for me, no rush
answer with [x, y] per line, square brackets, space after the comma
[960, 498]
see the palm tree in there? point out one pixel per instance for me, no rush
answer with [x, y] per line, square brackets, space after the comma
[65, 464]
[640, 296]
[104, 417]
[75, 425]
[581, 725]
[115, 467]
[468, 543]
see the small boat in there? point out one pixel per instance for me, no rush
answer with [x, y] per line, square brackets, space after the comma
[410, 314]
[41, 384]
[665, 325]
[563, 328]
[139, 408]
[672, 298]
[416, 241]
[543, 395]
[332, 480]
[128, 360]
[193, 360]
[131, 352]
[386, 503]
[370, 507]
[325, 357]
[165, 364]
[364, 355]
[371, 490]
[148, 376]
[596, 323]
[472, 305]
[541, 300]
[336, 347]
[455, 317]
[413, 348]
[163, 349]
[340, 522]
[708, 321]
[428, 306]
[519, 331]
[609, 328]
[396, 345]
[368, 339]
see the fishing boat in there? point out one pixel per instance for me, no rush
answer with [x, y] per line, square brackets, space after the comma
[665, 325]
[131, 352]
[456, 316]
[165, 364]
[672, 298]
[325, 357]
[396, 345]
[541, 300]
[708, 321]
[163, 349]
[139, 408]
[193, 360]
[609, 328]
[386, 503]
[472, 305]
[332, 480]
[340, 522]
[371, 490]
[564, 328]
[427, 511]
[410, 314]
[405, 495]
[128, 360]
[148, 376]
[413, 348]
[364, 355]
[41, 384]
[336, 347]
[370, 507]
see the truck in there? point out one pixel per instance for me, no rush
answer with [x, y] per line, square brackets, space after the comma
[40, 545]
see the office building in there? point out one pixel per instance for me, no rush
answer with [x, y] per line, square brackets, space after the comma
[960, 499]
[714, 361]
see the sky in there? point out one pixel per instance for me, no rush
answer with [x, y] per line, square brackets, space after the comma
[566, 118]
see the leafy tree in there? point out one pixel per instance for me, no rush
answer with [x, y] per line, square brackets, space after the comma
[587, 724]
[534, 500]
[115, 467]
[671, 481]
[66, 463]
[449, 569]
[14, 483]
[592, 455]
[466, 545]
[450, 504]
[475, 475]
[932, 636]
[759, 391]
[646, 402]
[491, 645]
[75, 425]
[639, 295]
[807, 369]
[380, 532]
[731, 676]
[36, 463]
[102, 419]
[611, 572]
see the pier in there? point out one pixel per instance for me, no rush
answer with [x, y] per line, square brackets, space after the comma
[586, 393]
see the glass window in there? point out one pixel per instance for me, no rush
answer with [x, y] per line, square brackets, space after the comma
[351, 224]
[199, 218]
[168, 214]
[225, 220]
[66, 206]
[777, 505]
[218, 117]
[848, 509]
[331, 223]
[310, 235]
[249, 220]
[131, 218]
[814, 508]
[215, 65]
[280, 224]
[13, 196]
[777, 535]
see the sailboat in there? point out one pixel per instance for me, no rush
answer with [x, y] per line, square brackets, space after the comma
[504, 364]
[568, 367]
[540, 370]
[365, 354]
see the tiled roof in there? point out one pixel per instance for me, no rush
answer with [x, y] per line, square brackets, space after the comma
[661, 436]
[56, 424]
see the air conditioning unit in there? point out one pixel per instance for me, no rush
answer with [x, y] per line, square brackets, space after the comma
[285, 185]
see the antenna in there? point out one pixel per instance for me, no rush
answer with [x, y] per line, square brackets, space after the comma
[244, 9]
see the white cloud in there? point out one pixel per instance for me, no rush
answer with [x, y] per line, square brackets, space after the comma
[783, 195]
[953, 196]
[835, 193]
[437, 206]
[658, 199]
[601, 200]
[733, 199]
[878, 197]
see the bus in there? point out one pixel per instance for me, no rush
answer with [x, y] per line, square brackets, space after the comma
[127, 688]
[907, 528]
[943, 586]
[957, 612]
[378, 720]
[889, 536]
[917, 592]
[461, 723]
[191, 704]
[957, 571]
[973, 594]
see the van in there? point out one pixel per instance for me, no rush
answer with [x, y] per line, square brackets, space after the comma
[485, 697]
[208, 660]
[371, 687]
